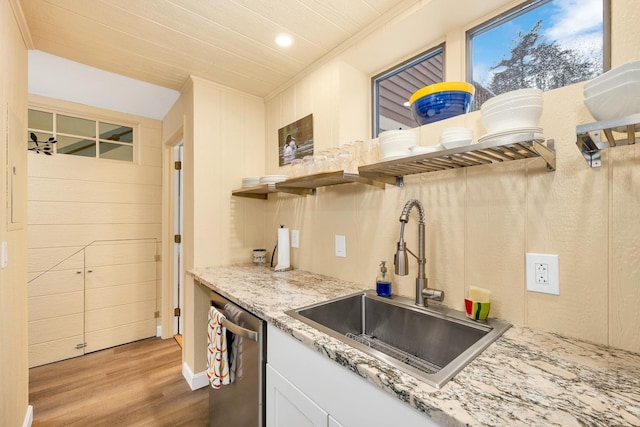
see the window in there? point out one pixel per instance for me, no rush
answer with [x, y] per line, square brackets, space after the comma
[82, 137]
[393, 88]
[542, 43]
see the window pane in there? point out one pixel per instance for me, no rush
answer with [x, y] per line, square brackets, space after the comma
[116, 151]
[40, 120]
[395, 87]
[76, 126]
[76, 146]
[543, 45]
[116, 133]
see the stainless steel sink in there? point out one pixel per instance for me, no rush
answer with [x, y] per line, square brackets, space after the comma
[431, 343]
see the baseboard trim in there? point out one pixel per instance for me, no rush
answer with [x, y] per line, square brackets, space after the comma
[159, 331]
[28, 418]
[195, 381]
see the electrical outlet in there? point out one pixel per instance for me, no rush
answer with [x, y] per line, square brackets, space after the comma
[295, 238]
[341, 246]
[543, 273]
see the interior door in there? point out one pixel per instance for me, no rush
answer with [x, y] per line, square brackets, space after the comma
[178, 268]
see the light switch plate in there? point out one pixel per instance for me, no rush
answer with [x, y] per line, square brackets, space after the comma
[295, 238]
[341, 246]
[543, 273]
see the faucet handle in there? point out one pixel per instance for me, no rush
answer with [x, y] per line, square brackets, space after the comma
[433, 294]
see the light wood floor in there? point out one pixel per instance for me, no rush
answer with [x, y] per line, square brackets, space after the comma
[137, 384]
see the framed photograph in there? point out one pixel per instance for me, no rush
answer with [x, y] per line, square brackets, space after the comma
[295, 140]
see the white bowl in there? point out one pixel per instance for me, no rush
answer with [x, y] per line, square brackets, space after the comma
[514, 94]
[508, 104]
[620, 101]
[523, 116]
[625, 73]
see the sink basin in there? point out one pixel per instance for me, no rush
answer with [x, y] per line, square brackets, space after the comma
[432, 343]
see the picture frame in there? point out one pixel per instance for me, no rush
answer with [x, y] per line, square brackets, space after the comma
[295, 140]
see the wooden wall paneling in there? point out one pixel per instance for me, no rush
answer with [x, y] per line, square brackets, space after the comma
[90, 169]
[109, 317]
[56, 189]
[109, 296]
[444, 198]
[49, 306]
[59, 328]
[55, 259]
[92, 213]
[56, 282]
[52, 351]
[150, 156]
[624, 290]
[567, 214]
[105, 215]
[495, 231]
[119, 274]
[120, 252]
[47, 236]
[106, 338]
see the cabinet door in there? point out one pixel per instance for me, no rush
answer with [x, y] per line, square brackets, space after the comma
[287, 406]
[333, 422]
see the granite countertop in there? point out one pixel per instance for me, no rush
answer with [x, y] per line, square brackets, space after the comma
[527, 377]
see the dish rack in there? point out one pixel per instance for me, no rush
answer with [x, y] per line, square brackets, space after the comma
[592, 138]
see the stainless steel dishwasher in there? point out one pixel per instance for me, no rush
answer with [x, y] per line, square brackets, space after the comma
[241, 403]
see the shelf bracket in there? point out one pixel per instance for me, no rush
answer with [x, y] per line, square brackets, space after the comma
[590, 150]
[592, 138]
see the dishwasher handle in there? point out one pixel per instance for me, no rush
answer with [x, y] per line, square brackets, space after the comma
[238, 330]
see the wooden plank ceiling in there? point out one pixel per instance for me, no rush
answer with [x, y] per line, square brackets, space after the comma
[226, 41]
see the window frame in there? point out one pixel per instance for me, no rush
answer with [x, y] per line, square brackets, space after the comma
[396, 69]
[98, 120]
[522, 9]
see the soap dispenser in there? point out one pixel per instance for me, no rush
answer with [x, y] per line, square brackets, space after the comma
[383, 281]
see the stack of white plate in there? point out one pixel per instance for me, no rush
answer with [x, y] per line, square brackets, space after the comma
[456, 137]
[615, 93]
[421, 149]
[272, 179]
[516, 109]
[396, 143]
[514, 135]
[251, 181]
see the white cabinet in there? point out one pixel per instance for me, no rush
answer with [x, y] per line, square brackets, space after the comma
[305, 388]
[287, 406]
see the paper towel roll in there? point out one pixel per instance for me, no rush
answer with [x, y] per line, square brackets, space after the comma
[283, 249]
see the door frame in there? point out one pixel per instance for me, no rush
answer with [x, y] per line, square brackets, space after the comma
[168, 203]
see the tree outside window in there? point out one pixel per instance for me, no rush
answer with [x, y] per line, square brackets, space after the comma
[545, 44]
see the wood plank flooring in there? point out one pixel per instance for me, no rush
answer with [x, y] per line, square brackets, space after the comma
[137, 384]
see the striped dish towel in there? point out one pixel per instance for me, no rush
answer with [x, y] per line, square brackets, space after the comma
[217, 360]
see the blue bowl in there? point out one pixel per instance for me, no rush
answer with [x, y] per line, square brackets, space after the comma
[441, 105]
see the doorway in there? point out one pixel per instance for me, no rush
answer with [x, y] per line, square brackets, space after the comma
[178, 265]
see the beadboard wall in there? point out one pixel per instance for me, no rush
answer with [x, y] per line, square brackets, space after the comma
[14, 374]
[481, 221]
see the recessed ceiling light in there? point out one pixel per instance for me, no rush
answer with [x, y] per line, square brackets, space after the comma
[284, 40]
